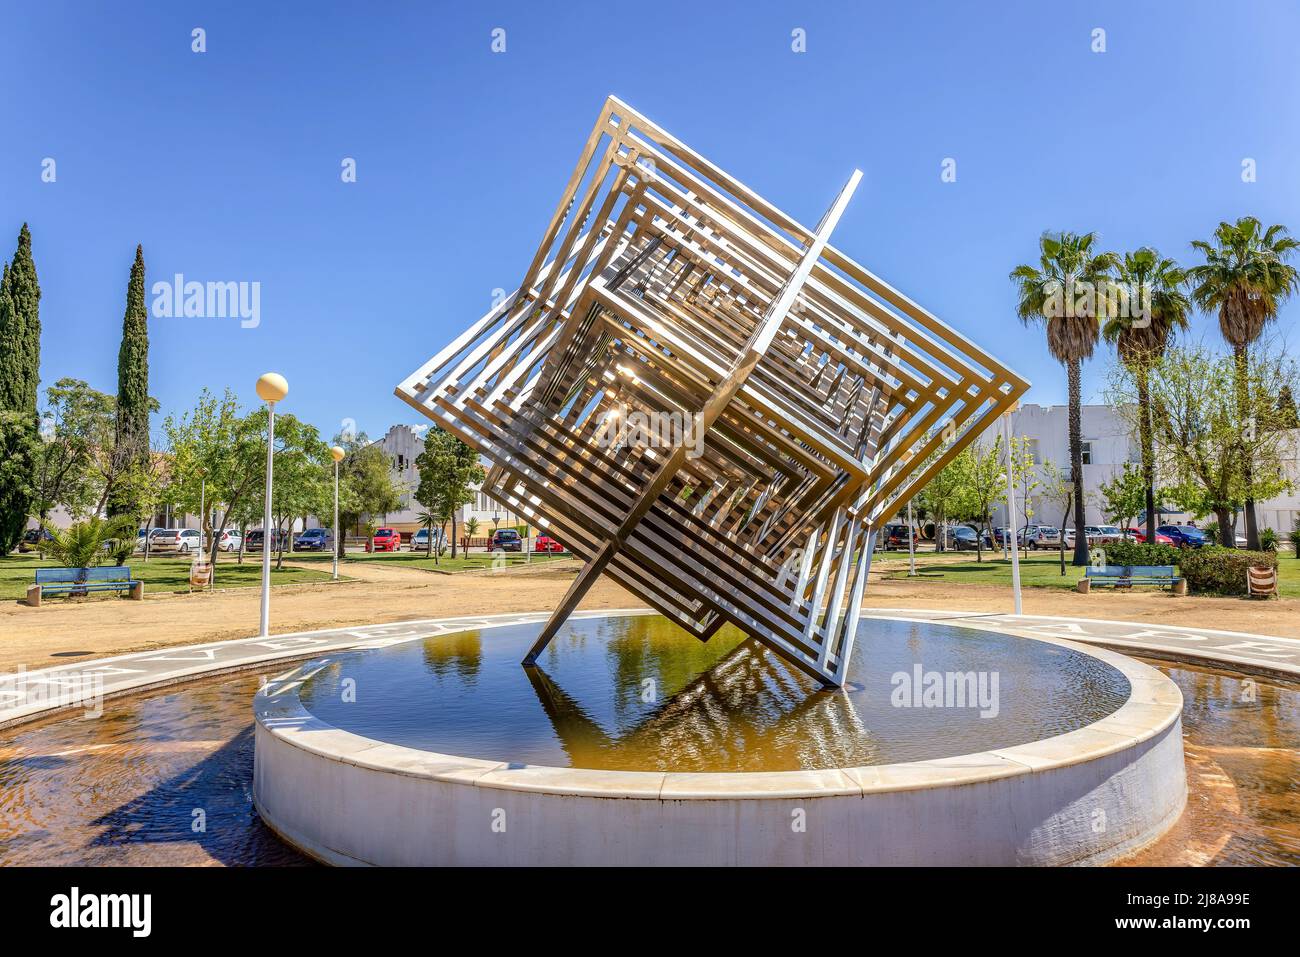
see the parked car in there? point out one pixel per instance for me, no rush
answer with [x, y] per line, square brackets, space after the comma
[34, 538]
[1135, 534]
[1041, 536]
[1104, 534]
[545, 543]
[230, 540]
[385, 540]
[962, 538]
[894, 535]
[420, 540]
[1184, 536]
[1001, 535]
[183, 541]
[506, 540]
[314, 540]
[279, 540]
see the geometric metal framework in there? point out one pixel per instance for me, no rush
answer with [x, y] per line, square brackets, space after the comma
[806, 398]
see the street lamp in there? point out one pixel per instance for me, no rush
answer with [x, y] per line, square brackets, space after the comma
[337, 454]
[271, 388]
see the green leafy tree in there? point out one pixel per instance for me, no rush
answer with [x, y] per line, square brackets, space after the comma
[1061, 295]
[131, 441]
[303, 476]
[1200, 430]
[366, 486]
[983, 485]
[1024, 472]
[1142, 338]
[76, 423]
[1125, 496]
[20, 359]
[20, 332]
[215, 436]
[941, 498]
[1244, 278]
[447, 468]
[1058, 494]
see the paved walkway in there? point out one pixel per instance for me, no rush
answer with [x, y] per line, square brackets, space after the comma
[83, 685]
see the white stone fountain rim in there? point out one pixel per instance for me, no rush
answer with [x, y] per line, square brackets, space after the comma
[1155, 702]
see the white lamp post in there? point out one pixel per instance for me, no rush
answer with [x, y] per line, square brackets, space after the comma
[1013, 523]
[271, 388]
[337, 454]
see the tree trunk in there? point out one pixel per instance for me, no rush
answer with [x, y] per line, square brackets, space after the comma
[1147, 443]
[1241, 368]
[1227, 528]
[1073, 373]
[1060, 538]
[453, 536]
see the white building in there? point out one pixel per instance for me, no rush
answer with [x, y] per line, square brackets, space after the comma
[1107, 445]
[403, 445]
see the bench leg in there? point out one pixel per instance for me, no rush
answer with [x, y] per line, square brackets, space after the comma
[34, 595]
[1084, 586]
[137, 592]
[1180, 589]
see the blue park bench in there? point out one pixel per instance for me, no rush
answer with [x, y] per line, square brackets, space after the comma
[81, 581]
[1126, 575]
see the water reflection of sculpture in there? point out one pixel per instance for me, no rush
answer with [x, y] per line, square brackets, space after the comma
[692, 724]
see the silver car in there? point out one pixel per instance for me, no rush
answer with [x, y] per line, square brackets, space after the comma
[1042, 536]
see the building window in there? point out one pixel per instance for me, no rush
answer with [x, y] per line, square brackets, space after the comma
[1087, 453]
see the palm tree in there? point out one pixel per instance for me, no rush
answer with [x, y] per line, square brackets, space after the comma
[1245, 276]
[88, 543]
[1141, 338]
[429, 522]
[1060, 294]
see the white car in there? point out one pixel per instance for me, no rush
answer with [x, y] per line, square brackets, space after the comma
[230, 540]
[180, 540]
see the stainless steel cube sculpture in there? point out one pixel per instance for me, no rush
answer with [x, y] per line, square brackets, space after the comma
[707, 401]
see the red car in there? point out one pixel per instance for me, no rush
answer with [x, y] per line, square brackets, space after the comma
[385, 540]
[545, 543]
[1139, 536]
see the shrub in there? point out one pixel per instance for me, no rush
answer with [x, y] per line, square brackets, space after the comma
[1221, 571]
[1294, 535]
[1138, 553]
[1267, 540]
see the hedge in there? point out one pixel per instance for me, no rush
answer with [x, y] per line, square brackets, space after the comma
[1139, 553]
[1221, 571]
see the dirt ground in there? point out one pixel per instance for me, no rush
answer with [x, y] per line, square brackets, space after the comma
[63, 631]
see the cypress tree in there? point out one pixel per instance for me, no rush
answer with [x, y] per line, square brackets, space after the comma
[132, 385]
[20, 360]
[20, 332]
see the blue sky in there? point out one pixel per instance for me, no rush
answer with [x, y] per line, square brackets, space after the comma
[226, 164]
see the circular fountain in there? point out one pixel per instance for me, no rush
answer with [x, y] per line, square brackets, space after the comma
[633, 743]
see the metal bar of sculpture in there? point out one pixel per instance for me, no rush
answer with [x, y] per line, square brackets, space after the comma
[706, 400]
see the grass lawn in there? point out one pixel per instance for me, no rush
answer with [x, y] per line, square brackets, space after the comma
[418, 560]
[158, 575]
[1039, 571]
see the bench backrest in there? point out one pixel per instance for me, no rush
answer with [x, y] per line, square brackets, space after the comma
[101, 573]
[1132, 571]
